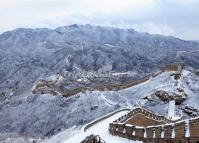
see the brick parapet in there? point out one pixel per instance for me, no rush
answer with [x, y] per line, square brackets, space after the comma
[169, 132]
[145, 112]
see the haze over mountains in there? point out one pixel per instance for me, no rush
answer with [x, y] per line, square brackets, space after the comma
[29, 55]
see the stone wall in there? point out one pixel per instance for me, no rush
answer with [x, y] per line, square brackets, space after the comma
[147, 113]
[141, 120]
[179, 128]
[186, 131]
[102, 118]
[172, 67]
[194, 128]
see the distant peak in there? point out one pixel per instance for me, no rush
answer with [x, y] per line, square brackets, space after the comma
[73, 25]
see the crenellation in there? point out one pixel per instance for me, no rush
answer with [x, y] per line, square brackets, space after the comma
[146, 126]
[149, 132]
[179, 130]
[194, 128]
[129, 130]
[158, 132]
[139, 132]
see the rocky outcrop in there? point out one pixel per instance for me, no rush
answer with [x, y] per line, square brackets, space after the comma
[196, 72]
[163, 95]
[177, 76]
[2, 96]
[180, 90]
[48, 86]
[93, 139]
[178, 96]
[191, 111]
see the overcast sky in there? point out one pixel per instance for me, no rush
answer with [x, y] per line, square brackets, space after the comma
[178, 18]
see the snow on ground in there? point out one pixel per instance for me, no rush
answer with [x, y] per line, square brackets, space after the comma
[128, 97]
[62, 136]
[61, 113]
[101, 129]
[190, 83]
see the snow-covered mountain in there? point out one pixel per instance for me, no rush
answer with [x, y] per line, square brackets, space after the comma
[29, 55]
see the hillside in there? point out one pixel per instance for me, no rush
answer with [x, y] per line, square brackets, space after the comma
[28, 55]
[135, 95]
[57, 113]
[31, 58]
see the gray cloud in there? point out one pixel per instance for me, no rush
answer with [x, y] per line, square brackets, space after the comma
[178, 18]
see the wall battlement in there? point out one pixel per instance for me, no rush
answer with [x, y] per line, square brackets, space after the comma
[172, 67]
[184, 131]
[144, 112]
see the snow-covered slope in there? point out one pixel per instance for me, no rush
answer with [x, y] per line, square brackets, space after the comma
[100, 128]
[29, 55]
[190, 83]
[126, 98]
[56, 113]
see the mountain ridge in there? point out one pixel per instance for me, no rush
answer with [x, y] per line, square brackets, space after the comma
[90, 25]
[28, 56]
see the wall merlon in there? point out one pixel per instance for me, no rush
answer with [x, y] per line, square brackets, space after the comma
[168, 131]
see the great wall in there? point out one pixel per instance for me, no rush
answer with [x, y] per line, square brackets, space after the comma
[171, 67]
[87, 126]
[48, 86]
[146, 126]
[143, 125]
[152, 128]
